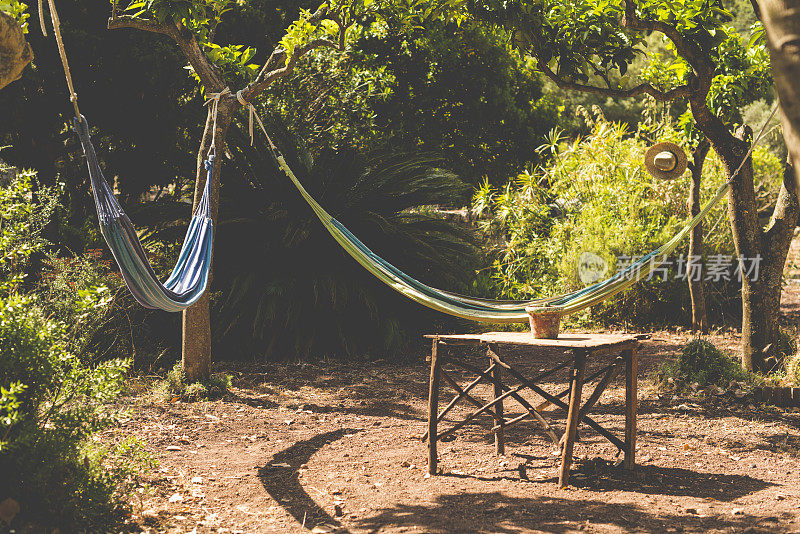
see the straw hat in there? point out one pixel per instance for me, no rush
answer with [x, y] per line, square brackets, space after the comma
[665, 160]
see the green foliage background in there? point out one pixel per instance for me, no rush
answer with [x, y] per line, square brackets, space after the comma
[54, 396]
[595, 195]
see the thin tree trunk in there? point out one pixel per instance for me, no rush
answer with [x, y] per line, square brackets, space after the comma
[743, 213]
[696, 289]
[196, 324]
[764, 253]
[776, 241]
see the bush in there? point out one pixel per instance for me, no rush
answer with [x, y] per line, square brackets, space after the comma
[285, 288]
[175, 385]
[595, 196]
[702, 363]
[51, 404]
[793, 370]
[788, 357]
[786, 347]
[25, 210]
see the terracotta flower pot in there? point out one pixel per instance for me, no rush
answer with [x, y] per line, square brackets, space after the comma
[545, 321]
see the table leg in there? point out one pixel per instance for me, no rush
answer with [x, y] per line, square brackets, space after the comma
[433, 407]
[497, 386]
[576, 386]
[631, 406]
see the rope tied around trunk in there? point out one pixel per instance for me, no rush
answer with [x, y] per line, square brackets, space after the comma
[213, 98]
[251, 112]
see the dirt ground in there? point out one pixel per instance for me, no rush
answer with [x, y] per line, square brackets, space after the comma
[336, 447]
[332, 447]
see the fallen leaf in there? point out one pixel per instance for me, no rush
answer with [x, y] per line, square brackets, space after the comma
[173, 448]
[177, 498]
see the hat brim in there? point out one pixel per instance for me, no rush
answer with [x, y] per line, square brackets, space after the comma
[681, 161]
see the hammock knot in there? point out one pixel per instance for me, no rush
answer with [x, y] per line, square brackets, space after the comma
[81, 127]
[251, 114]
[214, 98]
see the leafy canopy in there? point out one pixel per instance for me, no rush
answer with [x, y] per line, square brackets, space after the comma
[341, 20]
[591, 45]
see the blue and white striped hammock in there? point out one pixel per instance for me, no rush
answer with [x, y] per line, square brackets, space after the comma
[189, 278]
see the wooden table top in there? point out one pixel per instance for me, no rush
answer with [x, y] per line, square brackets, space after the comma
[566, 340]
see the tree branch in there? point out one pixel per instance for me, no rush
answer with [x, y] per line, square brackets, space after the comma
[689, 50]
[186, 41]
[151, 26]
[268, 75]
[641, 89]
[254, 89]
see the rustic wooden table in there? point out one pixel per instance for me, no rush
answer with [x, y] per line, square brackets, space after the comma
[620, 348]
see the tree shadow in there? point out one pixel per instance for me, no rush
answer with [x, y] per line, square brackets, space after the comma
[371, 408]
[253, 402]
[599, 474]
[283, 483]
[499, 513]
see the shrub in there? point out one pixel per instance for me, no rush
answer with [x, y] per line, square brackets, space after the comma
[793, 370]
[50, 405]
[595, 196]
[788, 357]
[25, 210]
[786, 347]
[175, 385]
[286, 289]
[83, 292]
[702, 363]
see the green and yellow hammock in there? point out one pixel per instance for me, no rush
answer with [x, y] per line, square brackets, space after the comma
[492, 311]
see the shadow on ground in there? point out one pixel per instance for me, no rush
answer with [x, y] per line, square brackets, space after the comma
[496, 512]
[283, 483]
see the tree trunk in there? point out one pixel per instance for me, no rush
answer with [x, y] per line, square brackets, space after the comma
[15, 52]
[757, 336]
[767, 247]
[694, 262]
[776, 240]
[781, 20]
[196, 324]
[761, 298]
